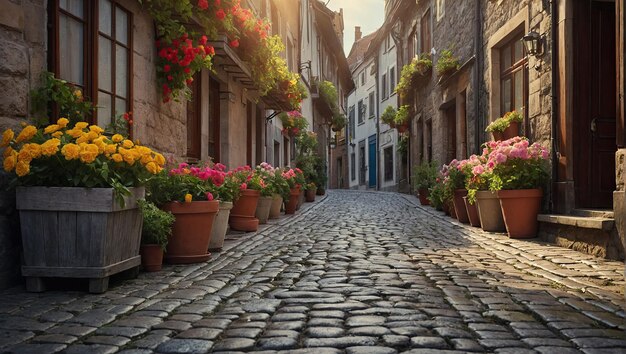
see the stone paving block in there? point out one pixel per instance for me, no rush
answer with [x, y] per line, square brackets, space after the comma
[557, 350]
[200, 333]
[428, 342]
[369, 331]
[185, 346]
[91, 349]
[340, 342]
[370, 350]
[230, 344]
[36, 348]
[151, 341]
[277, 343]
[466, 344]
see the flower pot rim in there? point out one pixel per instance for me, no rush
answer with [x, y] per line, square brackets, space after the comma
[516, 193]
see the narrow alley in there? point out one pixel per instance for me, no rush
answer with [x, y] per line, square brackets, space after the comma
[356, 272]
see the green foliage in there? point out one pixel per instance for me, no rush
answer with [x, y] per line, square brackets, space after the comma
[328, 92]
[69, 100]
[321, 178]
[447, 63]
[425, 175]
[519, 174]
[339, 121]
[500, 124]
[402, 116]
[306, 142]
[389, 115]
[157, 224]
[119, 125]
[164, 188]
[419, 66]
[436, 196]
[403, 145]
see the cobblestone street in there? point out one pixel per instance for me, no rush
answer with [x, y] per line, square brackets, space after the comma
[358, 272]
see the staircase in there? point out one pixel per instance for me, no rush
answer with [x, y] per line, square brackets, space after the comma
[590, 231]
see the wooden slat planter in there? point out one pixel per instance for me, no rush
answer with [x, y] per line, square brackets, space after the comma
[78, 233]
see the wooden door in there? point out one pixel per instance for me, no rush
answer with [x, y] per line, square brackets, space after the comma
[595, 125]
[373, 167]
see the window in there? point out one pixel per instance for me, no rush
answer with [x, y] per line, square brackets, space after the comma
[363, 78]
[351, 122]
[425, 36]
[94, 53]
[513, 76]
[441, 9]
[392, 80]
[352, 166]
[412, 43]
[388, 156]
[383, 88]
[372, 104]
[361, 112]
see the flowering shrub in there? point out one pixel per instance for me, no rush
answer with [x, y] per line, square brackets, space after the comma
[69, 100]
[248, 178]
[293, 123]
[500, 124]
[78, 157]
[294, 177]
[273, 179]
[516, 164]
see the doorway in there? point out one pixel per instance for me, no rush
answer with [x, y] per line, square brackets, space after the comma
[373, 171]
[450, 115]
[595, 100]
[362, 165]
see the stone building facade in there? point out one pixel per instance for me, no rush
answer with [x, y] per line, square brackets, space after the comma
[227, 123]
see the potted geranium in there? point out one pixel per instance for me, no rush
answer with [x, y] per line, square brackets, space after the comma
[293, 123]
[467, 167]
[64, 174]
[281, 189]
[293, 180]
[243, 215]
[191, 200]
[505, 127]
[487, 202]
[436, 194]
[266, 172]
[424, 177]
[519, 173]
[157, 228]
[455, 188]
[309, 194]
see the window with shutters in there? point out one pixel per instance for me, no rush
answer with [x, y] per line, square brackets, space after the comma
[91, 48]
[425, 33]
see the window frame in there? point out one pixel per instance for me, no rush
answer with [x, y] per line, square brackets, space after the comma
[509, 73]
[91, 28]
[392, 81]
[372, 104]
[383, 83]
[426, 35]
[360, 113]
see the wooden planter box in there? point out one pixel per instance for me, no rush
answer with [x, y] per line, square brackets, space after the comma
[78, 233]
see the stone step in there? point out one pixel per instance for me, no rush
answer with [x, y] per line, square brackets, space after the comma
[599, 223]
[594, 213]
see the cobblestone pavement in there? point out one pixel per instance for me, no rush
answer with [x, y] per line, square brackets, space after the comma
[359, 272]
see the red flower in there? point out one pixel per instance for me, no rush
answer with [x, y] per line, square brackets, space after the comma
[202, 40]
[203, 4]
[166, 68]
[170, 78]
[209, 50]
[220, 14]
[234, 43]
[187, 70]
[189, 81]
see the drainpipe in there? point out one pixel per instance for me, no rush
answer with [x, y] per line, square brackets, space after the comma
[376, 63]
[479, 59]
[554, 104]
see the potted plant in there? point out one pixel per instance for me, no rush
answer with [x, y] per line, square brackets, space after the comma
[519, 173]
[295, 181]
[320, 177]
[309, 194]
[467, 167]
[401, 120]
[420, 66]
[157, 228]
[266, 173]
[183, 193]
[505, 127]
[424, 178]
[435, 196]
[447, 63]
[455, 190]
[389, 116]
[293, 123]
[281, 190]
[243, 214]
[478, 193]
[82, 175]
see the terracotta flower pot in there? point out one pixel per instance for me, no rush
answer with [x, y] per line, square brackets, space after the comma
[292, 203]
[511, 132]
[423, 195]
[459, 205]
[489, 211]
[220, 226]
[277, 203]
[497, 136]
[321, 191]
[519, 209]
[300, 200]
[309, 195]
[263, 209]
[151, 257]
[191, 232]
[472, 213]
[243, 211]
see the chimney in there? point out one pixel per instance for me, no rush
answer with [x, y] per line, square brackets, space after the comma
[357, 33]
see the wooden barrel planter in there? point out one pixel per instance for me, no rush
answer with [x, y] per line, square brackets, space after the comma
[73, 232]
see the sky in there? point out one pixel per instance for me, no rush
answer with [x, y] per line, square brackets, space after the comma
[369, 14]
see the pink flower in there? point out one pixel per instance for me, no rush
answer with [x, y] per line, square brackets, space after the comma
[209, 196]
[500, 158]
[478, 170]
[243, 186]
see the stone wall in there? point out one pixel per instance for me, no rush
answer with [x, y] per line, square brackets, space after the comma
[23, 38]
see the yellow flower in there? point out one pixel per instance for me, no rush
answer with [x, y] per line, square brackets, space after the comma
[7, 136]
[8, 152]
[117, 158]
[9, 163]
[50, 147]
[24, 155]
[117, 138]
[81, 125]
[127, 144]
[71, 151]
[92, 135]
[26, 134]
[83, 139]
[89, 152]
[51, 128]
[62, 122]
[75, 133]
[152, 168]
[129, 155]
[159, 159]
[78, 94]
[188, 198]
[57, 134]
[96, 129]
[110, 148]
[34, 150]
[22, 168]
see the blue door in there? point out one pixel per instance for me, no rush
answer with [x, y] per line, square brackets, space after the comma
[372, 161]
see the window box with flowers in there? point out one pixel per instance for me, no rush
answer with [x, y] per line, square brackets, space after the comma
[419, 67]
[401, 120]
[77, 192]
[505, 127]
[447, 63]
[293, 123]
